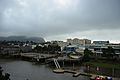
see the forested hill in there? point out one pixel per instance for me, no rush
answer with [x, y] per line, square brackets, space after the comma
[23, 38]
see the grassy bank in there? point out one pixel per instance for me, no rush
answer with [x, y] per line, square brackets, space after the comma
[103, 64]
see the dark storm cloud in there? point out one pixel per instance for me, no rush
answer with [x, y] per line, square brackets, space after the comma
[52, 17]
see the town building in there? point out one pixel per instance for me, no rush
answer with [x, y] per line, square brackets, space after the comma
[101, 42]
[77, 41]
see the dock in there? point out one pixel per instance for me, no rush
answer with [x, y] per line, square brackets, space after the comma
[64, 71]
[64, 59]
[77, 73]
[58, 71]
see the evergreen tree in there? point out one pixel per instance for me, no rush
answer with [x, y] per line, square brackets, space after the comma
[87, 54]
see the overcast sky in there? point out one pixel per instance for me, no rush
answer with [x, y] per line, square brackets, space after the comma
[61, 19]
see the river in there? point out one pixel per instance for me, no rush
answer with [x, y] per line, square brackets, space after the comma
[22, 70]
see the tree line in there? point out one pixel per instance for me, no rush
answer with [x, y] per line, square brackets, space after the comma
[48, 48]
[109, 53]
[5, 76]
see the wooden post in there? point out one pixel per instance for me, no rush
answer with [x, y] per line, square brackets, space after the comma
[73, 66]
[88, 68]
[63, 64]
[113, 72]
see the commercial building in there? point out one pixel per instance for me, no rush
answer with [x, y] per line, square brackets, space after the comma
[100, 42]
[77, 41]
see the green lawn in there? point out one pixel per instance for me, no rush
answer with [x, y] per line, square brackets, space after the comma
[101, 64]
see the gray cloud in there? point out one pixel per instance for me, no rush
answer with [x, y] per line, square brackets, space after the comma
[57, 17]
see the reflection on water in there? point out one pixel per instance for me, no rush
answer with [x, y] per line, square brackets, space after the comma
[22, 70]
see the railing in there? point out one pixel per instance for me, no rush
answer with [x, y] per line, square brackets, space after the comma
[56, 63]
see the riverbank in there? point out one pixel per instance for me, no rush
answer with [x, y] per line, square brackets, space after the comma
[103, 64]
[103, 68]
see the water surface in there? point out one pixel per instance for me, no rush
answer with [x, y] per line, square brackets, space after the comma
[22, 70]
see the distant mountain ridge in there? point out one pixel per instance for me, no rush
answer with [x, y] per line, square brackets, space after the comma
[23, 38]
